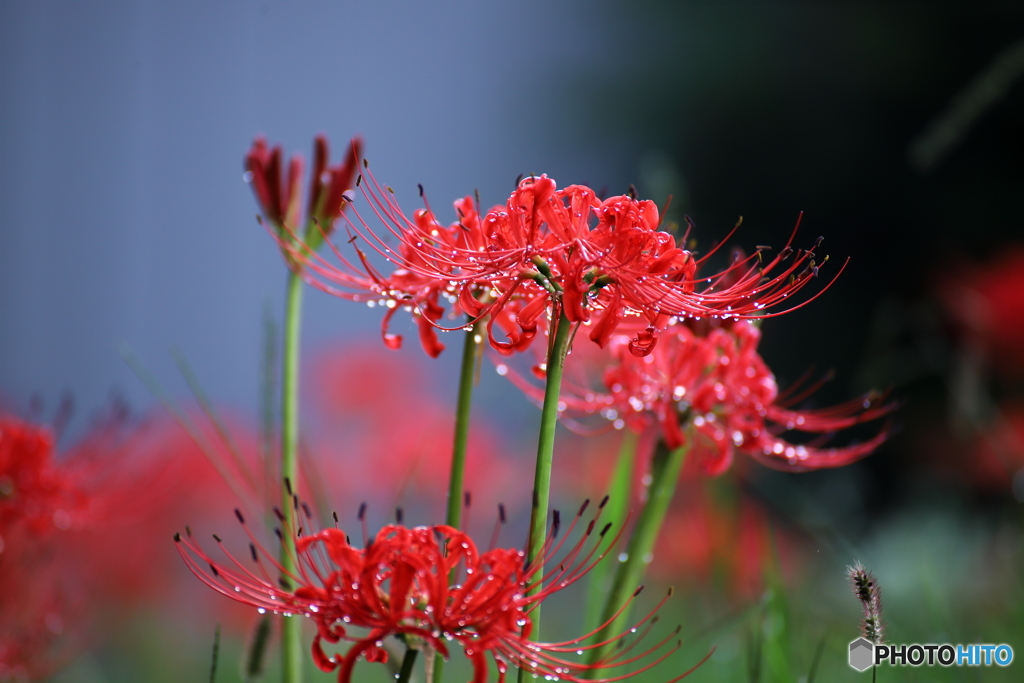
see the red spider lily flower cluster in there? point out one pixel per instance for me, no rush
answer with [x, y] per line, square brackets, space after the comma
[399, 585]
[37, 500]
[63, 527]
[358, 391]
[278, 191]
[987, 302]
[34, 491]
[706, 538]
[544, 253]
[710, 381]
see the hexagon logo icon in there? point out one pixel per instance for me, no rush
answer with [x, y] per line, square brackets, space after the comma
[862, 654]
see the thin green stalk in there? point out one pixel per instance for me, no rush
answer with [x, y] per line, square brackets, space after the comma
[545, 454]
[291, 628]
[408, 662]
[665, 469]
[467, 375]
[615, 512]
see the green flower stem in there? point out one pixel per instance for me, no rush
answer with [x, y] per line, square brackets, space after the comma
[408, 662]
[615, 512]
[291, 628]
[545, 452]
[467, 375]
[665, 469]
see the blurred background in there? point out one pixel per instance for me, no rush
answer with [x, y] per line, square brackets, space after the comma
[894, 127]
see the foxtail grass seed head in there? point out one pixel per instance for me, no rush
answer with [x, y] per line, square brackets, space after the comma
[866, 589]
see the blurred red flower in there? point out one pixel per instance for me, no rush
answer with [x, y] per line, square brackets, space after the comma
[987, 300]
[81, 535]
[362, 392]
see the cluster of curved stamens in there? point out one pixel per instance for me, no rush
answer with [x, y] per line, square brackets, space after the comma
[544, 253]
[399, 584]
[709, 381]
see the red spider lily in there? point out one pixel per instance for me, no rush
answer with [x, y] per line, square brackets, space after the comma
[712, 378]
[358, 391]
[43, 620]
[705, 537]
[278, 191]
[34, 490]
[544, 253]
[66, 571]
[398, 585]
[987, 301]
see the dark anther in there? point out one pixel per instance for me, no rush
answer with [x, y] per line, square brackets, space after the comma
[501, 512]
[679, 628]
[366, 163]
[359, 179]
[362, 511]
[288, 485]
[785, 253]
[604, 501]
[280, 536]
[295, 502]
[655, 619]
[216, 538]
[590, 527]
[637, 591]
[252, 550]
[284, 584]
[278, 513]
[305, 508]
[214, 570]
[632, 191]
[238, 513]
[299, 532]
[671, 590]
[348, 540]
[583, 508]
[420, 185]
[519, 179]
[177, 538]
[605, 529]
[556, 522]
[817, 242]
[335, 515]
[188, 530]
[467, 498]
[399, 515]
